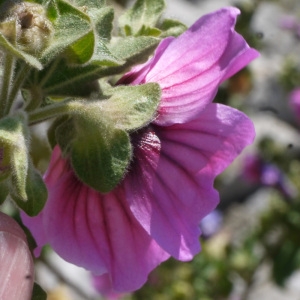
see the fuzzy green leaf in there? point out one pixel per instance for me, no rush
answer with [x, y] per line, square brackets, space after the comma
[36, 193]
[14, 139]
[172, 28]
[100, 159]
[82, 50]
[99, 153]
[143, 13]
[70, 26]
[73, 80]
[132, 107]
[134, 50]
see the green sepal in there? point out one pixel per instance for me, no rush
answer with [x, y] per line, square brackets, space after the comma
[11, 49]
[171, 27]
[132, 107]
[38, 293]
[103, 163]
[144, 13]
[26, 186]
[99, 152]
[14, 140]
[36, 193]
[51, 132]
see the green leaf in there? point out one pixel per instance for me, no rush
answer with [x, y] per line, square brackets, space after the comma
[14, 139]
[70, 25]
[38, 293]
[134, 50]
[75, 80]
[103, 22]
[132, 107]
[25, 185]
[172, 28]
[143, 13]
[82, 50]
[100, 159]
[36, 193]
[90, 3]
[99, 153]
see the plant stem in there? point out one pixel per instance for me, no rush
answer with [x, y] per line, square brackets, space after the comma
[19, 79]
[54, 110]
[7, 78]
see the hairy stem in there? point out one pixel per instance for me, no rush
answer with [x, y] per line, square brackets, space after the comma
[7, 79]
[19, 79]
[54, 110]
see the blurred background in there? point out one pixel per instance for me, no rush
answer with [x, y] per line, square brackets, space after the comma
[250, 244]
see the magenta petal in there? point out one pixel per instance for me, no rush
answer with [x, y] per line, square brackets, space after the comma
[170, 187]
[16, 264]
[98, 232]
[190, 68]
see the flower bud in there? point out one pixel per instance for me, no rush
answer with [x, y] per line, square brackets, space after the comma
[17, 269]
[26, 25]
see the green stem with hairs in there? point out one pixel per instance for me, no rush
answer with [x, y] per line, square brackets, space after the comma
[19, 79]
[54, 110]
[7, 79]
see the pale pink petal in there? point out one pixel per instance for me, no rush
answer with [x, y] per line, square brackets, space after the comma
[190, 68]
[98, 232]
[294, 101]
[170, 186]
[16, 264]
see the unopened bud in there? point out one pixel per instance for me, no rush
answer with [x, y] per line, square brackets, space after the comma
[26, 25]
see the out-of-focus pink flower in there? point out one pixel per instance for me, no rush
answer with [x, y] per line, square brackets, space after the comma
[267, 174]
[154, 213]
[291, 23]
[16, 264]
[102, 284]
[294, 101]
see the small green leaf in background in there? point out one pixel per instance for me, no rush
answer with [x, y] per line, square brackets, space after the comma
[144, 13]
[172, 28]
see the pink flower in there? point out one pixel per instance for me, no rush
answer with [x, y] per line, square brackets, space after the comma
[294, 101]
[16, 264]
[154, 213]
[257, 171]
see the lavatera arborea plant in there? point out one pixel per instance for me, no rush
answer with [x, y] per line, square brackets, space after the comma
[136, 145]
